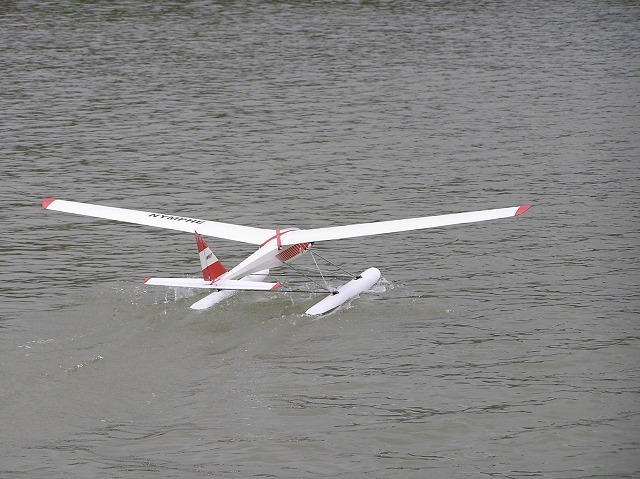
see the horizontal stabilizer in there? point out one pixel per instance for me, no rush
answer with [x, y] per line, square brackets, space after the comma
[231, 284]
[216, 297]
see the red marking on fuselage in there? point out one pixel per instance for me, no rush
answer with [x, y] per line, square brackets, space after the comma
[293, 251]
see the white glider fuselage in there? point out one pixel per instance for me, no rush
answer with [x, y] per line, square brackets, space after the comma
[270, 254]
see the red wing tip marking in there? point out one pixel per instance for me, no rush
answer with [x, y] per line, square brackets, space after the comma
[522, 209]
[145, 280]
[275, 286]
[47, 202]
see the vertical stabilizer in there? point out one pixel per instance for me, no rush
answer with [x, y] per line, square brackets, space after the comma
[211, 267]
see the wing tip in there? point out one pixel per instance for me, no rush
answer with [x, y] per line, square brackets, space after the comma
[275, 286]
[145, 280]
[46, 202]
[522, 209]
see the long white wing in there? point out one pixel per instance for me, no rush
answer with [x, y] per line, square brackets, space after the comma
[396, 226]
[260, 236]
[245, 234]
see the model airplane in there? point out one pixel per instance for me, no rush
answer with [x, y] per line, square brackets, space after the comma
[276, 247]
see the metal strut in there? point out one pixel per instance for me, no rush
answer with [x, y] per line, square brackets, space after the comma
[320, 271]
[326, 286]
[314, 254]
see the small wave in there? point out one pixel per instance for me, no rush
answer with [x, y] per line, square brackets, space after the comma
[84, 364]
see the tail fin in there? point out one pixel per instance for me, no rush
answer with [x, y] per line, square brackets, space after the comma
[211, 267]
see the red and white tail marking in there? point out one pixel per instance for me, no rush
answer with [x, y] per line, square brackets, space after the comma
[211, 267]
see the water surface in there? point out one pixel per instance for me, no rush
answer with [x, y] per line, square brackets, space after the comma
[507, 349]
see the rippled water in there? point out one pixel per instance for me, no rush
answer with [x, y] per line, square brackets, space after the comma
[508, 349]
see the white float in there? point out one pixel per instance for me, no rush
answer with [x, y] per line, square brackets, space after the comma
[347, 291]
[218, 296]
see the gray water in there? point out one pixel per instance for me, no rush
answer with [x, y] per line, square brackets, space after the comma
[508, 349]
